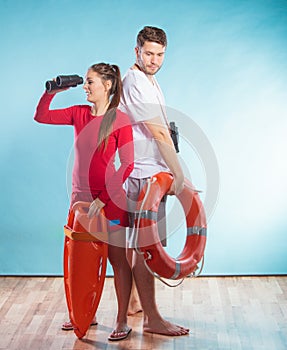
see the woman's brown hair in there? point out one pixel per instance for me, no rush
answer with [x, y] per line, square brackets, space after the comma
[109, 72]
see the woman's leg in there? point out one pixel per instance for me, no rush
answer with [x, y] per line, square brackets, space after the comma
[122, 279]
[134, 303]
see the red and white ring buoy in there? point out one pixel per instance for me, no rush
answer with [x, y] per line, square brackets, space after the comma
[148, 240]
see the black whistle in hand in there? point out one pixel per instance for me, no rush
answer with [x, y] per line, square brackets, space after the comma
[63, 81]
[174, 135]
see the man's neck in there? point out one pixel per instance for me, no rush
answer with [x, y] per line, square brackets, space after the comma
[149, 76]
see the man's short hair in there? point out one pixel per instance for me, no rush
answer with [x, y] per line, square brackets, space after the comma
[152, 34]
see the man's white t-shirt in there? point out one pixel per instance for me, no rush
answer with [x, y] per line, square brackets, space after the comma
[143, 100]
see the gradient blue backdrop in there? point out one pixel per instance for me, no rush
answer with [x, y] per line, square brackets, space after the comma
[225, 67]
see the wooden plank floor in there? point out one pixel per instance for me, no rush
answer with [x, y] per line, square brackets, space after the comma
[222, 313]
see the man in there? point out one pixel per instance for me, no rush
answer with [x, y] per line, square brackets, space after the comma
[143, 101]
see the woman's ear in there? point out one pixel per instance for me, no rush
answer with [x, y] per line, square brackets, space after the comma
[108, 85]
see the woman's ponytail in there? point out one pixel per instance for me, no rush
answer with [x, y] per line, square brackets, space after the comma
[116, 89]
[112, 73]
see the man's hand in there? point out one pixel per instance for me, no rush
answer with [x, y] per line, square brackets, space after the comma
[176, 186]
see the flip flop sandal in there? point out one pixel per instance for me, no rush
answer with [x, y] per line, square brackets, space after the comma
[120, 337]
[67, 326]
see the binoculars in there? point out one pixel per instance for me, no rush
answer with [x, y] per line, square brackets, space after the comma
[63, 81]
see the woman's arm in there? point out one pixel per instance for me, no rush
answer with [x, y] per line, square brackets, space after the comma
[44, 115]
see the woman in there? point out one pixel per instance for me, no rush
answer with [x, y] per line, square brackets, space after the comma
[101, 130]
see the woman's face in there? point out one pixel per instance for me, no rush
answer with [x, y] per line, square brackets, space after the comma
[95, 89]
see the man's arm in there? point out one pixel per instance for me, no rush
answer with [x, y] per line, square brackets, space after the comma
[165, 145]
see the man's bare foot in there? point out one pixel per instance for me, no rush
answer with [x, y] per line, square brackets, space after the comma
[134, 310]
[161, 326]
[134, 305]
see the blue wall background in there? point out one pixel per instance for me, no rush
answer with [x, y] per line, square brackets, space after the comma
[225, 68]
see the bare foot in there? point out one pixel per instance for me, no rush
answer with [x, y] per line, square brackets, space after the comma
[134, 310]
[134, 305]
[161, 326]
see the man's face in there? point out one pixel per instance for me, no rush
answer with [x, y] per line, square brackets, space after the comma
[150, 57]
